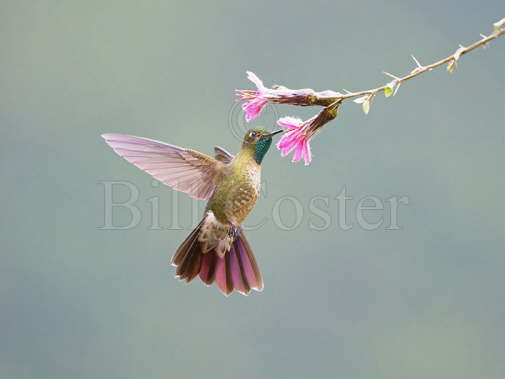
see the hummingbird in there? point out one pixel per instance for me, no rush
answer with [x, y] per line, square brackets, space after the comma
[216, 250]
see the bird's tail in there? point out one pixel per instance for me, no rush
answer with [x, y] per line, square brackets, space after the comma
[236, 270]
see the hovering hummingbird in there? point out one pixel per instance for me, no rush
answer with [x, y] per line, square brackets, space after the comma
[216, 249]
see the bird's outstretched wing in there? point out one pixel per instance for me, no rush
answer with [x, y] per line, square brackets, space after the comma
[222, 155]
[182, 169]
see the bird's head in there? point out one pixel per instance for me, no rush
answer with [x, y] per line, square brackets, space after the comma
[258, 141]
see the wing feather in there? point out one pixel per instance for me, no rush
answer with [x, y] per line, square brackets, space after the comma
[182, 169]
[222, 155]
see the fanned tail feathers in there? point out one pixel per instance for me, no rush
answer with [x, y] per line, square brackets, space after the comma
[236, 270]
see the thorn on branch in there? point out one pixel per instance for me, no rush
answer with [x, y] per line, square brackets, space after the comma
[486, 44]
[391, 75]
[419, 66]
[416, 61]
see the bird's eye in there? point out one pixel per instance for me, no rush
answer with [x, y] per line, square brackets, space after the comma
[253, 134]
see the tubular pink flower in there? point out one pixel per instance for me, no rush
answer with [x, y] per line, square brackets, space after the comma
[296, 138]
[299, 133]
[255, 101]
[253, 107]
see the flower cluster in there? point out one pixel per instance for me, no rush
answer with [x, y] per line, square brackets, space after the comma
[298, 132]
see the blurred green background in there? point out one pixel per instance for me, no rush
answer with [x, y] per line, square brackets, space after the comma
[425, 301]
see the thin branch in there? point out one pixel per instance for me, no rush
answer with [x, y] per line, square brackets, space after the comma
[331, 100]
[450, 60]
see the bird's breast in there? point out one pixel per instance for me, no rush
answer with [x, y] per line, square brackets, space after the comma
[236, 195]
[244, 196]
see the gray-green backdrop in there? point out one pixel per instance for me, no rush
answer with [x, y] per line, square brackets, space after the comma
[424, 300]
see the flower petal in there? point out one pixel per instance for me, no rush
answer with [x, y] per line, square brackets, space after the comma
[290, 122]
[296, 138]
[298, 151]
[257, 81]
[307, 154]
[253, 108]
[288, 144]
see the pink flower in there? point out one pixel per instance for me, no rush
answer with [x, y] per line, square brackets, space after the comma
[255, 101]
[297, 138]
[299, 133]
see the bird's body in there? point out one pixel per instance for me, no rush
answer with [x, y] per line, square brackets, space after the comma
[238, 190]
[217, 249]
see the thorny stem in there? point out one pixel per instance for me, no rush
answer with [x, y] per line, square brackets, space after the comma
[499, 30]
[331, 100]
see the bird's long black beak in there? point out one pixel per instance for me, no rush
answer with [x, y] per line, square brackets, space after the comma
[274, 133]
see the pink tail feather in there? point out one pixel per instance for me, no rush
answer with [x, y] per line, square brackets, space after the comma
[237, 270]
